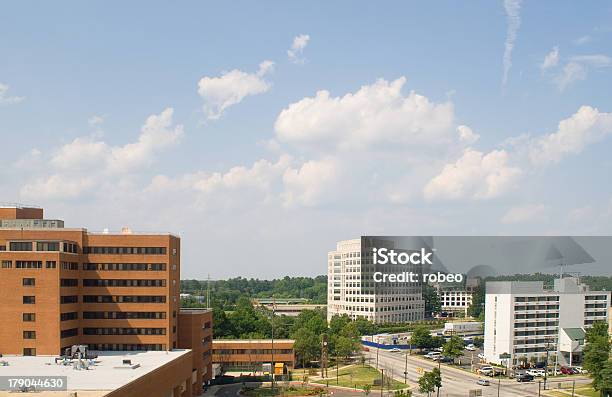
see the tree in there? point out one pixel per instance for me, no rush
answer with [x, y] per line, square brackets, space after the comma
[605, 384]
[367, 389]
[478, 342]
[430, 381]
[454, 347]
[421, 338]
[306, 345]
[597, 353]
[345, 346]
[432, 300]
[478, 299]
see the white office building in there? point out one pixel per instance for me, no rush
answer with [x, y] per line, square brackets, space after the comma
[352, 290]
[523, 320]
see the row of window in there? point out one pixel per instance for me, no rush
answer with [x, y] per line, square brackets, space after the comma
[124, 315]
[126, 347]
[124, 299]
[252, 351]
[43, 246]
[125, 266]
[123, 283]
[124, 331]
[125, 250]
[8, 264]
[68, 333]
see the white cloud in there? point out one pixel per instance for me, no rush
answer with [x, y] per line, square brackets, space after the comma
[475, 175]
[583, 40]
[578, 67]
[587, 126]
[219, 93]
[522, 214]
[157, 133]
[311, 184]
[87, 152]
[95, 120]
[297, 48]
[8, 100]
[551, 59]
[513, 18]
[57, 187]
[581, 214]
[466, 135]
[375, 114]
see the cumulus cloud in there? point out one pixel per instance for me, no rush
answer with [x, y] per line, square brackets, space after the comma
[86, 161]
[219, 93]
[5, 99]
[297, 48]
[526, 213]
[582, 40]
[587, 126]
[577, 69]
[475, 175]
[551, 59]
[376, 114]
[513, 18]
[310, 184]
[466, 135]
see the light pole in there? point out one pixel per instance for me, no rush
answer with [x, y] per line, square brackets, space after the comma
[382, 381]
[406, 370]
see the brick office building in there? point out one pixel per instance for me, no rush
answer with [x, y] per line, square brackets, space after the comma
[113, 292]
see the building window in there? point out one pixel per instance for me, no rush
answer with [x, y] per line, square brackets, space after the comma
[68, 333]
[29, 351]
[69, 316]
[51, 264]
[123, 283]
[29, 334]
[20, 246]
[30, 317]
[28, 282]
[69, 282]
[29, 300]
[28, 264]
[47, 246]
[7, 264]
[69, 299]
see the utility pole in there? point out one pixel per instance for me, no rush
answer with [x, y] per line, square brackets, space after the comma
[539, 388]
[498, 385]
[382, 381]
[377, 349]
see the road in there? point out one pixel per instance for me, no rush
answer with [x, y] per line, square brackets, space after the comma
[455, 382]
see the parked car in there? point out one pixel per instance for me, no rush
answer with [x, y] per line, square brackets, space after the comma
[567, 371]
[433, 354]
[524, 377]
[487, 370]
[536, 372]
[439, 349]
[481, 356]
[483, 382]
[470, 347]
[395, 350]
[580, 370]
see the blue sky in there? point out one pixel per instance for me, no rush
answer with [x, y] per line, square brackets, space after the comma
[390, 118]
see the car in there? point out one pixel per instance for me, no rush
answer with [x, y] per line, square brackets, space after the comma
[439, 349]
[487, 370]
[536, 372]
[580, 370]
[483, 382]
[432, 354]
[524, 377]
[470, 347]
[566, 371]
[481, 356]
[395, 350]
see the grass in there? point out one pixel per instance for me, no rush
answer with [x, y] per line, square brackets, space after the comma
[284, 391]
[358, 376]
[587, 391]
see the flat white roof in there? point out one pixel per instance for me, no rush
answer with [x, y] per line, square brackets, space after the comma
[102, 376]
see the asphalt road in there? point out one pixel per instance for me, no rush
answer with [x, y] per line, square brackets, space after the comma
[455, 382]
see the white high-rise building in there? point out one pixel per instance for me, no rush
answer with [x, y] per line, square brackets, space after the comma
[524, 320]
[351, 289]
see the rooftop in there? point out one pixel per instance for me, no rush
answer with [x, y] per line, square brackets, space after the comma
[107, 374]
[253, 340]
